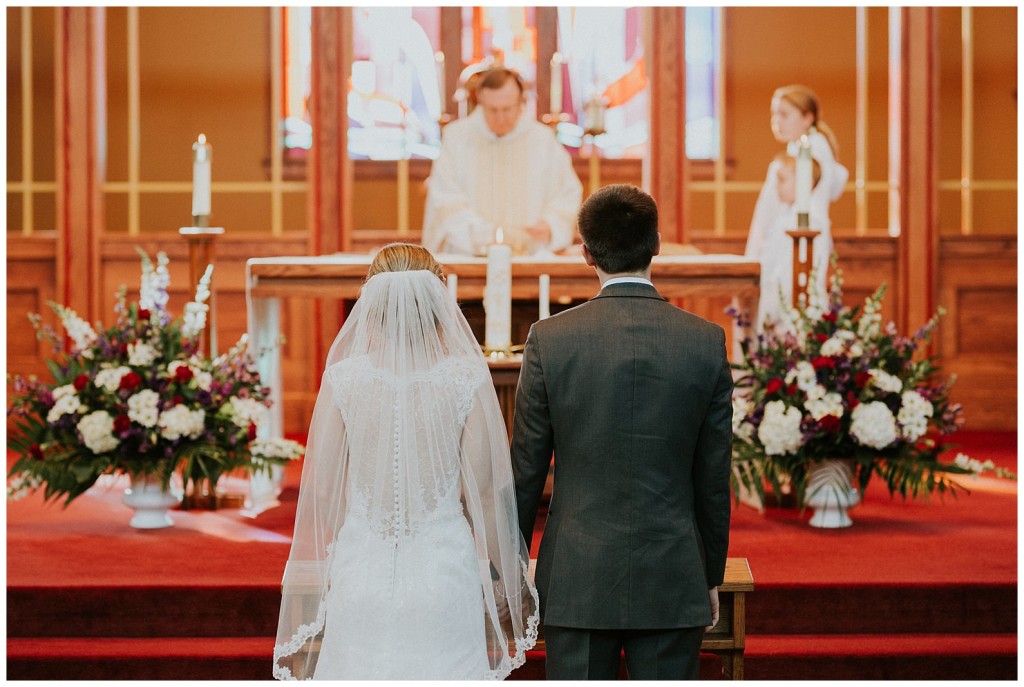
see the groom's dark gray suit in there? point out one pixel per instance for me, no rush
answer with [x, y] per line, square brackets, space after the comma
[633, 396]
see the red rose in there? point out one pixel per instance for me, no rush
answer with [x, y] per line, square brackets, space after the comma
[144, 314]
[176, 400]
[182, 373]
[124, 349]
[36, 450]
[791, 389]
[122, 423]
[772, 386]
[829, 423]
[822, 338]
[80, 382]
[862, 379]
[829, 317]
[852, 400]
[252, 431]
[823, 361]
[129, 381]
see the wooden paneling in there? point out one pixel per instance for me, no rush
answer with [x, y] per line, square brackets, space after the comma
[31, 282]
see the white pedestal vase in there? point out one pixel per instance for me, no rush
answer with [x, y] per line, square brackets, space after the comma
[830, 493]
[151, 502]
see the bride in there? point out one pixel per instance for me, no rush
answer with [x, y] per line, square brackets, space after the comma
[407, 561]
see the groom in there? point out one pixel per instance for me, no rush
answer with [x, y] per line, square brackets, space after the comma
[633, 396]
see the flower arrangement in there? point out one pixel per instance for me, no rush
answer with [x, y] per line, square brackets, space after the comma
[831, 382]
[138, 398]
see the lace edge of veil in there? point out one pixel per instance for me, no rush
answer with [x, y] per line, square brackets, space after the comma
[303, 633]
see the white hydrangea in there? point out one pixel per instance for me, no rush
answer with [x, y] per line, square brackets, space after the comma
[816, 392]
[804, 374]
[779, 431]
[109, 378]
[141, 354]
[67, 403]
[179, 421]
[885, 381]
[203, 379]
[829, 404]
[832, 347]
[97, 430]
[872, 424]
[914, 413]
[964, 461]
[741, 407]
[142, 408]
[246, 410]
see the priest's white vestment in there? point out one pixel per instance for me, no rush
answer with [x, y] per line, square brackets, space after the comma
[482, 181]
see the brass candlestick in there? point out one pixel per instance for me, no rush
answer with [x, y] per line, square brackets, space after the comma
[803, 243]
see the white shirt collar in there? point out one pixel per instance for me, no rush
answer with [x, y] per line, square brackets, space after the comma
[627, 280]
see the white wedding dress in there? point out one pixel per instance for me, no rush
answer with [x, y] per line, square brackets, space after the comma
[408, 578]
[407, 551]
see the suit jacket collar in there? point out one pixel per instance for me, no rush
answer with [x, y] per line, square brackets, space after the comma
[629, 290]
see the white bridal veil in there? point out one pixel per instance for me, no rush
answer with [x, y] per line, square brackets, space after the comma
[406, 429]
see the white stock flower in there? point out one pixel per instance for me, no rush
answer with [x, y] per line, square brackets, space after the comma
[142, 407]
[870, 320]
[246, 410]
[829, 404]
[965, 462]
[21, 485]
[109, 378]
[277, 448]
[779, 431]
[741, 407]
[97, 430]
[141, 354]
[832, 347]
[804, 374]
[80, 331]
[872, 424]
[195, 319]
[914, 413]
[67, 404]
[885, 381]
[179, 422]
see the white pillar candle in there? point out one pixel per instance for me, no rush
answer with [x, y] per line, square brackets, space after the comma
[498, 298]
[544, 300]
[453, 286]
[201, 177]
[803, 177]
[556, 83]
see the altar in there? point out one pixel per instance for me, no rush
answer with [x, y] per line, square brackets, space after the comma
[341, 275]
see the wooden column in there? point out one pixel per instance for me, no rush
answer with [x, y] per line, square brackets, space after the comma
[451, 46]
[665, 177]
[547, 45]
[80, 107]
[329, 167]
[917, 261]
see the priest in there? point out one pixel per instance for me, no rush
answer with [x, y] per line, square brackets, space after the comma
[498, 169]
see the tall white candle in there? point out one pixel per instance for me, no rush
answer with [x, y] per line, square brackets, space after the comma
[556, 83]
[453, 286]
[544, 299]
[201, 177]
[803, 177]
[498, 298]
[439, 65]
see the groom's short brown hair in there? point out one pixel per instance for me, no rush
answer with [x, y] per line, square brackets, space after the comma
[619, 226]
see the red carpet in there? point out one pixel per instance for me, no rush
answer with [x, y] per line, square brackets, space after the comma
[912, 591]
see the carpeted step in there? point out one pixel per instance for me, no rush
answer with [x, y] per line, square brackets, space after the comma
[117, 658]
[172, 611]
[795, 609]
[882, 657]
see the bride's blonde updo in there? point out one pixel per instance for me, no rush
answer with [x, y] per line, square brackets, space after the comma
[404, 257]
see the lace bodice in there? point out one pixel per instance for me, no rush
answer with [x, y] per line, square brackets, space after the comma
[404, 435]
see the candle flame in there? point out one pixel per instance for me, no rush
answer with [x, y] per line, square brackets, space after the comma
[202, 139]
